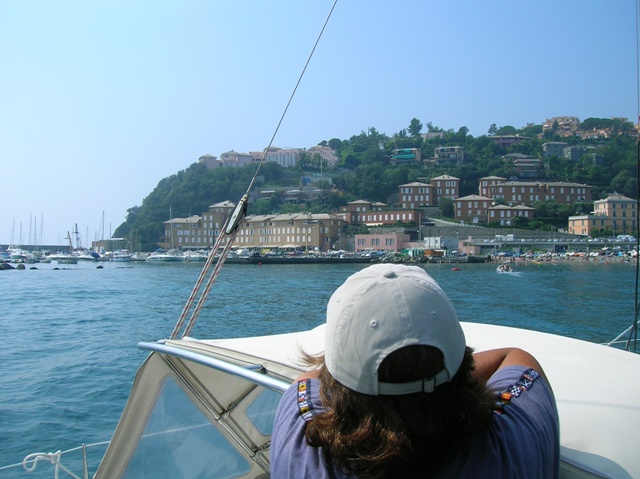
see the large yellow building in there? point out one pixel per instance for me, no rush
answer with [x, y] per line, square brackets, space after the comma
[302, 231]
[616, 214]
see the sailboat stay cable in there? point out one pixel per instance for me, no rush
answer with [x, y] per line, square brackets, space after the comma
[229, 231]
[292, 95]
[633, 334]
[197, 286]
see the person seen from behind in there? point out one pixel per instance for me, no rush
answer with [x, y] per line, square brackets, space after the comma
[399, 394]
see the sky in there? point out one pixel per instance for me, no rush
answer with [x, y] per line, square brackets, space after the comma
[100, 100]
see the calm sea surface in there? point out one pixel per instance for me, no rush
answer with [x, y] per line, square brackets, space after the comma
[69, 351]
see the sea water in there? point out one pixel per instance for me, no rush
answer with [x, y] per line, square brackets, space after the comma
[69, 332]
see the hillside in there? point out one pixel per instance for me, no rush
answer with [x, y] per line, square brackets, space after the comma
[366, 170]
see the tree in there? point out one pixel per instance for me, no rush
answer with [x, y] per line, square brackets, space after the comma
[335, 200]
[506, 130]
[520, 222]
[415, 127]
[305, 161]
[625, 184]
[401, 134]
[336, 144]
[323, 185]
[531, 130]
[446, 207]
[461, 135]
[492, 129]
[260, 207]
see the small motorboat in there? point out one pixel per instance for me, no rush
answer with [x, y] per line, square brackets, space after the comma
[504, 268]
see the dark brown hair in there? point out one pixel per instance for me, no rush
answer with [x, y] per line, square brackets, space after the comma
[412, 435]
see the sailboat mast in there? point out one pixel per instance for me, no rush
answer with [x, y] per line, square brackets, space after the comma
[76, 233]
[171, 225]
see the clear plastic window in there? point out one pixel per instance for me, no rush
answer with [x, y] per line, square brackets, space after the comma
[180, 441]
[262, 411]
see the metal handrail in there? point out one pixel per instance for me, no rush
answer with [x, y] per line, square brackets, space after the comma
[249, 372]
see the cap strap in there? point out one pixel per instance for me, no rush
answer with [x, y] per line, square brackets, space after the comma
[426, 385]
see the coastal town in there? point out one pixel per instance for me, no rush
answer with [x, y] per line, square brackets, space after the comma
[412, 219]
[305, 235]
[412, 224]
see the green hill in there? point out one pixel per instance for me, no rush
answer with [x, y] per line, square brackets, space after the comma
[365, 171]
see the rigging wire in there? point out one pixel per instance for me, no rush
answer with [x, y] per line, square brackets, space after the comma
[633, 335]
[230, 229]
[292, 95]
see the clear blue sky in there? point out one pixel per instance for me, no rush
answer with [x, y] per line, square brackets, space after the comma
[101, 100]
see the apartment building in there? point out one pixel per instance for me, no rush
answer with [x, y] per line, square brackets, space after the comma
[327, 154]
[419, 194]
[314, 232]
[388, 241]
[362, 206]
[528, 168]
[616, 213]
[562, 125]
[406, 156]
[301, 231]
[210, 161]
[374, 214]
[285, 157]
[415, 195]
[523, 166]
[477, 209]
[449, 155]
[616, 206]
[233, 158]
[527, 192]
[504, 214]
[473, 209]
[183, 233]
[197, 232]
[444, 186]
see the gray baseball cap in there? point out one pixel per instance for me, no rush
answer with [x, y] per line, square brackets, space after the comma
[381, 309]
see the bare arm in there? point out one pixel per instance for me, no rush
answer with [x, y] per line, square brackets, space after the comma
[313, 374]
[488, 362]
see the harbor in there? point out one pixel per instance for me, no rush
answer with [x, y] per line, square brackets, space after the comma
[457, 244]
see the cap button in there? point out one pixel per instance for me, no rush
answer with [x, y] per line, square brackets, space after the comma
[390, 274]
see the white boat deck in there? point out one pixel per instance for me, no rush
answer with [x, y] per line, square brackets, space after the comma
[596, 389]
